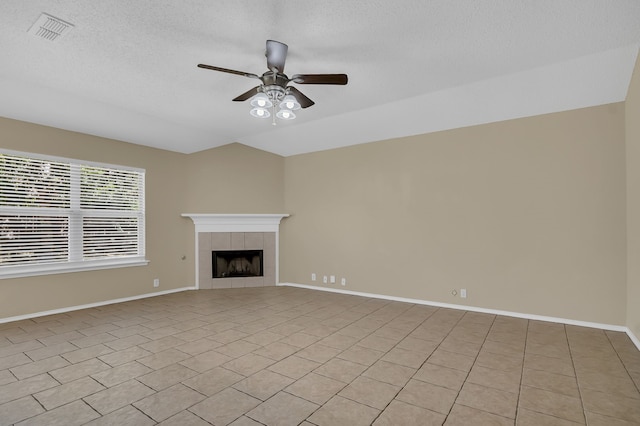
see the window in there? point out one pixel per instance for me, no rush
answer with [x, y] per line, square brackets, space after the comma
[61, 215]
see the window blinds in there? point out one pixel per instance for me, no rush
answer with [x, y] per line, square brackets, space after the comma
[55, 211]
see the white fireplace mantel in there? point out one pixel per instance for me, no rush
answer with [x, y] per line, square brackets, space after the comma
[236, 223]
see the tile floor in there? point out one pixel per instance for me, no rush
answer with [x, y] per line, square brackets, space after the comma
[289, 356]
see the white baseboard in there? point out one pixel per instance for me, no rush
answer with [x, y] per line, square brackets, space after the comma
[610, 327]
[92, 305]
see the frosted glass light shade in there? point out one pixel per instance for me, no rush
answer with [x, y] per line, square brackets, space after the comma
[260, 113]
[261, 101]
[289, 102]
[285, 114]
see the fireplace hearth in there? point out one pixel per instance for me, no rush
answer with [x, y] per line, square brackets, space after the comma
[236, 263]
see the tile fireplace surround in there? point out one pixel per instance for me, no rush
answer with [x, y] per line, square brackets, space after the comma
[236, 232]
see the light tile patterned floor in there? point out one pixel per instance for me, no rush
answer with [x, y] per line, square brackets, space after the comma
[289, 356]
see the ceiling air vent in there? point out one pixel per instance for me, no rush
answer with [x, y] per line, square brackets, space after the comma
[50, 28]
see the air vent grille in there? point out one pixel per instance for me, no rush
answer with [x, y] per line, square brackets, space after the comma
[50, 28]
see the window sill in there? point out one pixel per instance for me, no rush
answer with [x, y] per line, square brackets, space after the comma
[63, 268]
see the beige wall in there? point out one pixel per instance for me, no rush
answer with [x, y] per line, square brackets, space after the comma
[166, 231]
[632, 126]
[235, 179]
[528, 215]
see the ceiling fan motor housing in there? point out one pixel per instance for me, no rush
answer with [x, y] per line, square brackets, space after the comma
[274, 85]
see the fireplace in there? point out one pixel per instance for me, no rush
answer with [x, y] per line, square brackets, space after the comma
[230, 233]
[236, 263]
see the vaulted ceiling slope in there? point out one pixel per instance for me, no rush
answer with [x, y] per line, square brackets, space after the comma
[127, 69]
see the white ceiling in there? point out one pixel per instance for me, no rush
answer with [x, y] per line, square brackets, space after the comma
[128, 69]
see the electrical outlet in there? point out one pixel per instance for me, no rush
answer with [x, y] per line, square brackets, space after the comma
[463, 293]
[332, 279]
[324, 279]
[343, 281]
[313, 276]
[156, 282]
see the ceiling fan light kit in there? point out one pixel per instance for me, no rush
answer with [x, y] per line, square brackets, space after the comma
[276, 98]
[275, 92]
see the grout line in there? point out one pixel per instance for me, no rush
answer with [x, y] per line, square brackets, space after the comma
[524, 355]
[470, 368]
[624, 365]
[573, 364]
[418, 369]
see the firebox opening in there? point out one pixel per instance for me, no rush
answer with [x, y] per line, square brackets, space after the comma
[236, 263]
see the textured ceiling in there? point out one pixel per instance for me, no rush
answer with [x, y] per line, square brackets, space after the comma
[128, 68]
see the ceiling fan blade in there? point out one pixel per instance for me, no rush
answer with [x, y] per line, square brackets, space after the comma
[300, 97]
[246, 95]
[242, 73]
[340, 79]
[276, 54]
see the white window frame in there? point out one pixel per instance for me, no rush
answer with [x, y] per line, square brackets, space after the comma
[75, 262]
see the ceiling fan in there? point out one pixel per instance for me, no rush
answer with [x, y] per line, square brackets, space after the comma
[274, 91]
